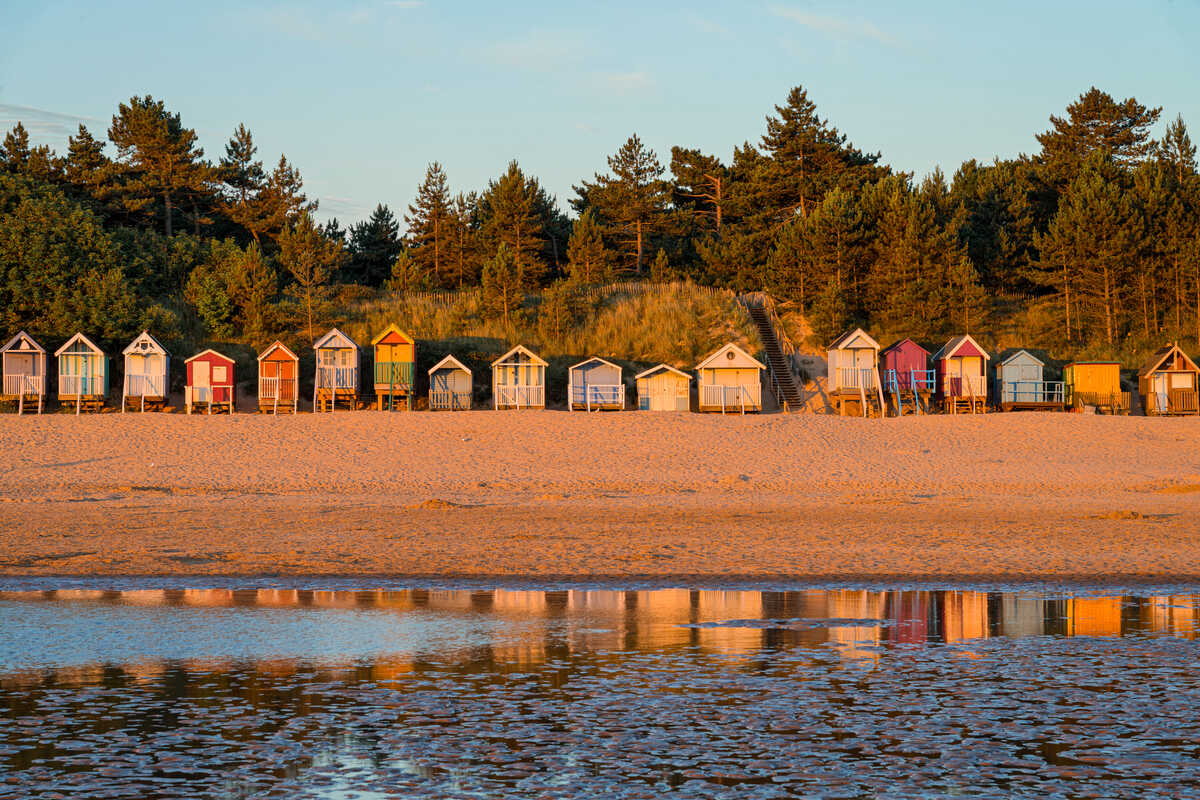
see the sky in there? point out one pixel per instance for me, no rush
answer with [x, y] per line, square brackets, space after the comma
[362, 95]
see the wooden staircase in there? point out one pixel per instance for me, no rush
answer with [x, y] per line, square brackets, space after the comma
[780, 366]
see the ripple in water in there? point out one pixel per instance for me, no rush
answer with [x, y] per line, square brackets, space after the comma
[840, 694]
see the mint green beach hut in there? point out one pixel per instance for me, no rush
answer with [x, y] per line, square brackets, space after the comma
[82, 374]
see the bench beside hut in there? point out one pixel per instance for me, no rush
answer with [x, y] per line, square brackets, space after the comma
[961, 367]
[1021, 384]
[664, 388]
[1169, 383]
[908, 382]
[853, 377]
[278, 384]
[210, 382]
[82, 374]
[519, 380]
[146, 383]
[336, 379]
[730, 380]
[1095, 384]
[595, 385]
[23, 362]
[450, 384]
[395, 354]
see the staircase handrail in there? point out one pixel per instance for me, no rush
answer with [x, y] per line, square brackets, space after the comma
[763, 300]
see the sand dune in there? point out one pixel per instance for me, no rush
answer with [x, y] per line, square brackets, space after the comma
[629, 494]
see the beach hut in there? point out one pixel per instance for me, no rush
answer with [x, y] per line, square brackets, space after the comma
[1021, 384]
[210, 382]
[908, 382]
[23, 362]
[82, 374]
[595, 385]
[519, 380]
[730, 380]
[853, 378]
[1096, 385]
[278, 384]
[664, 388]
[961, 367]
[1168, 383]
[147, 367]
[336, 379]
[450, 385]
[395, 358]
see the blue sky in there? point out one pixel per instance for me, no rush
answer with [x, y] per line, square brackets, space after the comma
[362, 95]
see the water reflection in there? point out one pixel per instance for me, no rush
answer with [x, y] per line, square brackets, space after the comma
[847, 693]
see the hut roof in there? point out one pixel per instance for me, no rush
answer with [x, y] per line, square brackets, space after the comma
[278, 345]
[587, 361]
[335, 340]
[144, 342]
[903, 343]
[660, 368]
[1161, 355]
[207, 351]
[857, 339]
[522, 350]
[1094, 364]
[963, 345]
[22, 342]
[730, 356]
[79, 337]
[1013, 357]
[449, 361]
[392, 329]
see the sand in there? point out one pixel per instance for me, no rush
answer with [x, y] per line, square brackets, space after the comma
[622, 495]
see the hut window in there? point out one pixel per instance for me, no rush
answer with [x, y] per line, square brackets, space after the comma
[219, 374]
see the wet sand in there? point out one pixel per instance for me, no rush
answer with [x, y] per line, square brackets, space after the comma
[555, 495]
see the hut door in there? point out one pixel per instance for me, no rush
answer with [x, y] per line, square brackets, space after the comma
[1158, 383]
[19, 364]
[200, 374]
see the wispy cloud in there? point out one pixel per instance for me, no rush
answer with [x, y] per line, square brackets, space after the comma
[45, 127]
[405, 3]
[624, 82]
[839, 27]
[705, 25]
[344, 208]
[537, 50]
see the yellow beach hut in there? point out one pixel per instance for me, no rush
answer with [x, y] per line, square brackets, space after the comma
[519, 380]
[663, 388]
[395, 360]
[730, 380]
[1095, 384]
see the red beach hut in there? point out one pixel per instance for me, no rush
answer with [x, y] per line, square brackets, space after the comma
[210, 381]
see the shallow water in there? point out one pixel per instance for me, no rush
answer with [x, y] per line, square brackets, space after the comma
[595, 693]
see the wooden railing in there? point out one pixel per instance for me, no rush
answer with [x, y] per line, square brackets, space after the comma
[394, 373]
[1175, 401]
[973, 386]
[208, 395]
[908, 380]
[80, 385]
[731, 398]
[1031, 392]
[763, 300]
[340, 378]
[445, 400]
[598, 394]
[508, 396]
[145, 385]
[277, 388]
[22, 385]
[857, 378]
[1112, 402]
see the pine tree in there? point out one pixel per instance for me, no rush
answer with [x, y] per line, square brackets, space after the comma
[244, 178]
[281, 200]
[808, 156]
[560, 311]
[1097, 123]
[462, 251]
[1177, 152]
[700, 186]
[631, 201]
[831, 314]
[159, 156]
[509, 215]
[588, 259]
[87, 169]
[38, 162]
[503, 284]
[430, 224]
[374, 247]
[660, 270]
[311, 257]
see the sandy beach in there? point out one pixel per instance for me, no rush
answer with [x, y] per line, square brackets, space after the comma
[555, 495]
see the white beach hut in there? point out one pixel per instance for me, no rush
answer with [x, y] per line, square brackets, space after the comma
[147, 367]
[595, 385]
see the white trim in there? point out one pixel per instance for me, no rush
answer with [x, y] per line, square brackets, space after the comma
[320, 344]
[449, 360]
[597, 359]
[521, 349]
[22, 335]
[133, 349]
[724, 349]
[957, 342]
[655, 369]
[79, 337]
[1004, 363]
[206, 352]
[845, 341]
[280, 345]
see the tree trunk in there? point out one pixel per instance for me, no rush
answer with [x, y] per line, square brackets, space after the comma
[638, 228]
[1145, 303]
[1067, 297]
[167, 211]
[1108, 306]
